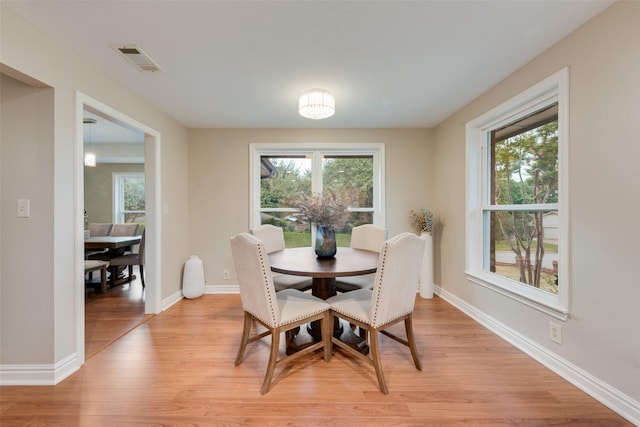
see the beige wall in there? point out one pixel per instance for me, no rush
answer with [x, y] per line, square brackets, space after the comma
[98, 189]
[601, 336]
[26, 154]
[54, 305]
[219, 182]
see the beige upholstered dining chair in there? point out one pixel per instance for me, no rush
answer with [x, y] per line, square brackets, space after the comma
[273, 239]
[94, 265]
[130, 259]
[368, 237]
[391, 300]
[99, 229]
[129, 229]
[277, 311]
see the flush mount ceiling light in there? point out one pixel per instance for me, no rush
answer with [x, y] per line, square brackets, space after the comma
[317, 104]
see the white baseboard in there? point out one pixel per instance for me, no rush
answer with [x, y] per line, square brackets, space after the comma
[38, 374]
[171, 300]
[225, 289]
[609, 396]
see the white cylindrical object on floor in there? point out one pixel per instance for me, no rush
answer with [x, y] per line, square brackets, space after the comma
[193, 278]
[426, 272]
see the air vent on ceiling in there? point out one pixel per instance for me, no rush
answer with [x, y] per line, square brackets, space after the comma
[137, 57]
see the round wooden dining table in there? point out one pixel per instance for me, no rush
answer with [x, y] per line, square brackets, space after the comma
[323, 271]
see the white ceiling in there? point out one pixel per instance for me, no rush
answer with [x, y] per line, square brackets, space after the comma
[243, 64]
[106, 130]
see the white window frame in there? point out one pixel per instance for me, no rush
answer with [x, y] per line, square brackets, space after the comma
[118, 194]
[316, 151]
[553, 89]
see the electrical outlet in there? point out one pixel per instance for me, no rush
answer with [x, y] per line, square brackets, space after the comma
[24, 208]
[225, 274]
[555, 333]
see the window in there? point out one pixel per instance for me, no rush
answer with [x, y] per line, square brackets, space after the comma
[128, 197]
[280, 172]
[517, 159]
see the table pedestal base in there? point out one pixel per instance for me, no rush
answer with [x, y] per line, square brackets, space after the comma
[297, 340]
[117, 276]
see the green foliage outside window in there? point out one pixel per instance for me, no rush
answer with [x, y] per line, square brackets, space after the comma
[134, 200]
[351, 176]
[525, 172]
[288, 180]
[134, 194]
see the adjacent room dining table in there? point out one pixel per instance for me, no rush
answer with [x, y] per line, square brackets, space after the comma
[304, 262]
[115, 246]
[114, 243]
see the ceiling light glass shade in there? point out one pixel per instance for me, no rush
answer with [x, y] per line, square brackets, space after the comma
[317, 104]
[90, 160]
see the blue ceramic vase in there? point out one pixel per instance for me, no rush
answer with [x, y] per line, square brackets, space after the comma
[325, 241]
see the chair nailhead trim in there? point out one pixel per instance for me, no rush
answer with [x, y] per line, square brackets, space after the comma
[383, 259]
[275, 320]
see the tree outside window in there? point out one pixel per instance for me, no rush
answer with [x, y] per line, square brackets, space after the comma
[525, 173]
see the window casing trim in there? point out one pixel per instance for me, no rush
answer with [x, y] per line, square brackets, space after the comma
[555, 88]
[376, 150]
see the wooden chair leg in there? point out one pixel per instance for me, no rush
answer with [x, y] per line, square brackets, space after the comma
[113, 274]
[408, 325]
[273, 358]
[327, 332]
[375, 356]
[103, 279]
[141, 274]
[246, 330]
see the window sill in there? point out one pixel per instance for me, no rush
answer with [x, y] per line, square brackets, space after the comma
[534, 298]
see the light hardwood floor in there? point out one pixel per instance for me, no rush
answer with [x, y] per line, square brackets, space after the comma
[176, 369]
[113, 314]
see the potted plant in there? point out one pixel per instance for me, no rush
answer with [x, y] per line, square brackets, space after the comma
[325, 211]
[423, 220]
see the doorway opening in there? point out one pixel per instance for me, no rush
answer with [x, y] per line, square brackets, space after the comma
[121, 147]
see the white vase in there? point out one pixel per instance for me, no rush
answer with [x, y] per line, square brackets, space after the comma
[426, 272]
[193, 278]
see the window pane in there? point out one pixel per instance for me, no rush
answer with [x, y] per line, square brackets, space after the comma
[525, 165]
[351, 176]
[134, 194]
[282, 178]
[288, 177]
[514, 250]
[129, 197]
